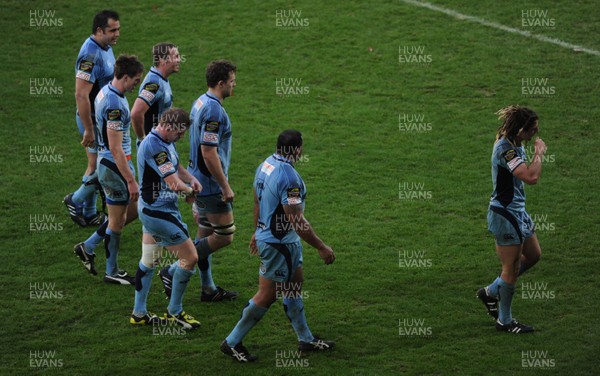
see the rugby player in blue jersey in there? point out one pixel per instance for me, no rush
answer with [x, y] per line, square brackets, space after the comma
[155, 95]
[162, 178]
[279, 199]
[210, 155]
[115, 169]
[517, 245]
[93, 70]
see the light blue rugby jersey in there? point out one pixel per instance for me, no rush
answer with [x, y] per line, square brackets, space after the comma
[509, 191]
[156, 160]
[156, 92]
[112, 112]
[95, 65]
[210, 126]
[277, 183]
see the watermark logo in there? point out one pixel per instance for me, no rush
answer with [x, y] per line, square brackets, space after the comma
[537, 87]
[536, 290]
[411, 327]
[413, 123]
[44, 223]
[413, 55]
[44, 290]
[546, 158]
[290, 19]
[44, 18]
[290, 290]
[39, 86]
[537, 18]
[290, 359]
[413, 259]
[167, 328]
[413, 191]
[537, 359]
[44, 359]
[542, 223]
[44, 154]
[290, 86]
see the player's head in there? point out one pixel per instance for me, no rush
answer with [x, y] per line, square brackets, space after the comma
[106, 27]
[289, 144]
[128, 70]
[220, 76]
[166, 55]
[518, 122]
[173, 123]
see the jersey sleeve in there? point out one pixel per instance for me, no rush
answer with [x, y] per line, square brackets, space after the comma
[114, 118]
[150, 91]
[290, 187]
[211, 125]
[87, 66]
[509, 158]
[159, 159]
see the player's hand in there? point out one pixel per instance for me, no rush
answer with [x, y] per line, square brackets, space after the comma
[326, 253]
[88, 139]
[133, 188]
[253, 247]
[540, 146]
[227, 195]
[195, 184]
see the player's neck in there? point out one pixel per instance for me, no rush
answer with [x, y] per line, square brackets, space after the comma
[97, 40]
[216, 94]
[119, 85]
[163, 71]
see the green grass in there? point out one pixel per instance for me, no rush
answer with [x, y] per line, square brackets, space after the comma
[348, 57]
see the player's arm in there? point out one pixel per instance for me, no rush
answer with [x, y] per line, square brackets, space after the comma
[531, 173]
[115, 140]
[189, 179]
[256, 212]
[83, 89]
[213, 163]
[137, 117]
[177, 184]
[295, 215]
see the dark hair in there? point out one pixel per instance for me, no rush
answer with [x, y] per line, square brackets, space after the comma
[128, 65]
[288, 142]
[219, 70]
[175, 118]
[161, 51]
[514, 119]
[101, 19]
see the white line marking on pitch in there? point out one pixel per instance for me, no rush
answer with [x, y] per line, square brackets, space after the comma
[498, 26]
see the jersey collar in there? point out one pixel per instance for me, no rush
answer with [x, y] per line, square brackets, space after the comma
[99, 45]
[281, 158]
[115, 90]
[208, 94]
[157, 72]
[158, 135]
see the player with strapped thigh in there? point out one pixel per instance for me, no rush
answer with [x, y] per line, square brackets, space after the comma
[517, 245]
[161, 178]
[210, 154]
[155, 95]
[279, 198]
[93, 70]
[115, 169]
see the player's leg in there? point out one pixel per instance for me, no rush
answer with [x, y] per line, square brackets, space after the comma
[85, 250]
[293, 304]
[531, 246]
[184, 270]
[215, 231]
[143, 281]
[270, 262]
[119, 209]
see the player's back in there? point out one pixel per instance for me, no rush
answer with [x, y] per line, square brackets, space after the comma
[508, 191]
[277, 183]
[112, 112]
[210, 126]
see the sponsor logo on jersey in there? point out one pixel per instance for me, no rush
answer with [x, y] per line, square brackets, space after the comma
[160, 158]
[210, 137]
